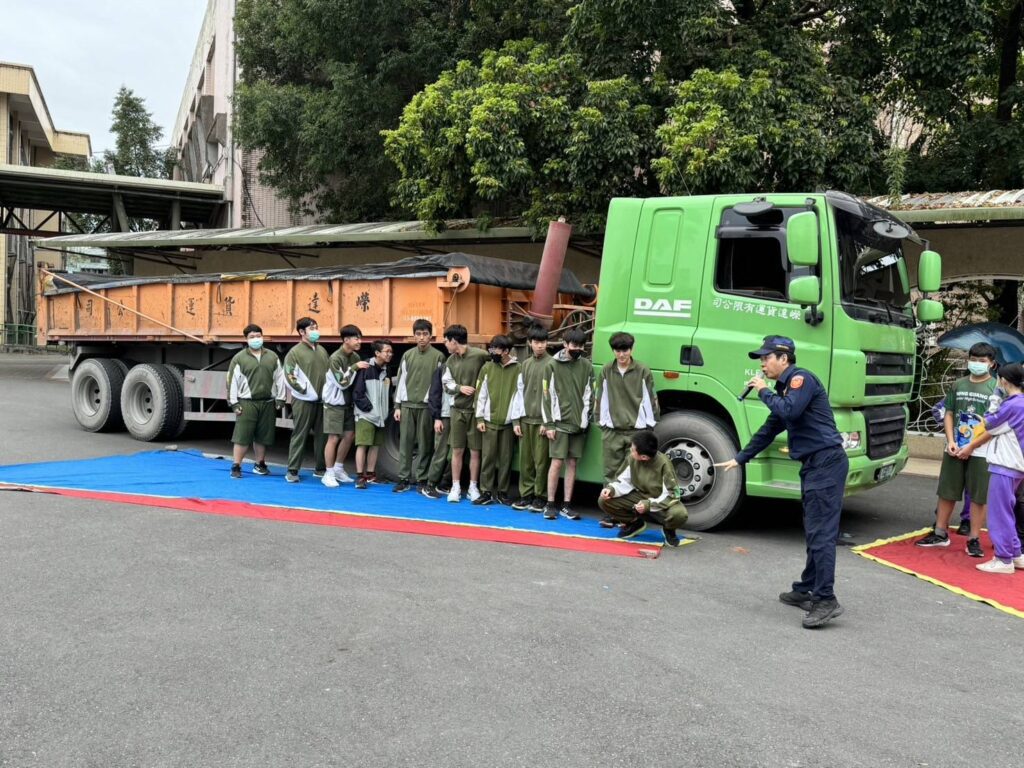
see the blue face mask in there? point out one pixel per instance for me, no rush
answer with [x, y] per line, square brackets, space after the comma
[977, 369]
[255, 343]
[313, 336]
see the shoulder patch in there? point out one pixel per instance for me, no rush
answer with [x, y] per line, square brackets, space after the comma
[796, 382]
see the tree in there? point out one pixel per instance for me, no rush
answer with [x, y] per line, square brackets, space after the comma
[136, 151]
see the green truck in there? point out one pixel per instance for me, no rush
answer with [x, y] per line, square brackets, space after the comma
[700, 280]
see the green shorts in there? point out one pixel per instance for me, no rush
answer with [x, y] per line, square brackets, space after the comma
[566, 446]
[955, 475]
[368, 433]
[339, 419]
[464, 433]
[256, 424]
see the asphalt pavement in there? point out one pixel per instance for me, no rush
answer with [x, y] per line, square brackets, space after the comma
[134, 636]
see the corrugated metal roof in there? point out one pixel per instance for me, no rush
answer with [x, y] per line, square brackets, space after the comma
[947, 207]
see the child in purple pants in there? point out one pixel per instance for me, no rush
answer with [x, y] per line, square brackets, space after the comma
[1005, 429]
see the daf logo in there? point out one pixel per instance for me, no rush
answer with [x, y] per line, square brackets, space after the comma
[645, 307]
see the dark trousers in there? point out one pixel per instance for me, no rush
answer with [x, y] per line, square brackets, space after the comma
[822, 481]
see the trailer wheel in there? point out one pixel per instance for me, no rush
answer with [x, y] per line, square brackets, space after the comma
[151, 403]
[179, 377]
[695, 441]
[96, 394]
[387, 456]
[121, 364]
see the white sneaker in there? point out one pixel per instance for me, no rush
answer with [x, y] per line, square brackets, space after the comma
[342, 476]
[455, 494]
[995, 565]
[1018, 562]
[474, 492]
[329, 479]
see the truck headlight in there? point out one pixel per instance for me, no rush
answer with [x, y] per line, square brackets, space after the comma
[851, 440]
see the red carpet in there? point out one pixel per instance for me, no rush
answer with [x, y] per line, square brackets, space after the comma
[951, 568]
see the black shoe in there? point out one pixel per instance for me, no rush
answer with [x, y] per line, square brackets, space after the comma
[974, 548]
[371, 477]
[965, 528]
[801, 600]
[361, 483]
[261, 469]
[933, 540]
[236, 471]
[401, 486]
[444, 488]
[292, 477]
[505, 500]
[608, 522]
[484, 499]
[629, 530]
[431, 492]
[671, 539]
[822, 612]
[568, 512]
[537, 505]
[550, 511]
[521, 503]
[319, 472]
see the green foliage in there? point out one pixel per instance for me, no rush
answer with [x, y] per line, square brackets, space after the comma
[136, 150]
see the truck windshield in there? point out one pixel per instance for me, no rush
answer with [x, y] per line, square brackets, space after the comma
[873, 272]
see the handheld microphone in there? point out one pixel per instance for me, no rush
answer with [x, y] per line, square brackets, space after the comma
[749, 388]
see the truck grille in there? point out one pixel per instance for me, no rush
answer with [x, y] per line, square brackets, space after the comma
[885, 427]
[899, 388]
[889, 364]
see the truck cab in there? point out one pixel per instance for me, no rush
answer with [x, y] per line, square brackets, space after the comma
[699, 281]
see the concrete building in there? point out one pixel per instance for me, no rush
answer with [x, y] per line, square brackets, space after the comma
[30, 140]
[203, 134]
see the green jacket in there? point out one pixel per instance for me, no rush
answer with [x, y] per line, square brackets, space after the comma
[568, 393]
[414, 375]
[496, 401]
[530, 388]
[340, 375]
[655, 479]
[463, 371]
[626, 400]
[305, 369]
[255, 378]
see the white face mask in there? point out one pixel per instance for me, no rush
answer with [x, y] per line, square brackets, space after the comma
[977, 369]
[255, 343]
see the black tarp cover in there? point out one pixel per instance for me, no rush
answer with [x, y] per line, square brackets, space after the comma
[483, 270]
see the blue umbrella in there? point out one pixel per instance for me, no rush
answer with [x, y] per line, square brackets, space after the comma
[1009, 342]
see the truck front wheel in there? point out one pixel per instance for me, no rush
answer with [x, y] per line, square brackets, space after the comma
[695, 442]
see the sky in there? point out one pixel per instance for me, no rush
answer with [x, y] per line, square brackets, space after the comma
[83, 51]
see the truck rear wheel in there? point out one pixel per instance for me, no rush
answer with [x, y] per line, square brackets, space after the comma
[151, 402]
[387, 456]
[96, 394]
[695, 441]
[179, 377]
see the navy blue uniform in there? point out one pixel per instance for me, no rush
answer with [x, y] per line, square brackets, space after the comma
[800, 406]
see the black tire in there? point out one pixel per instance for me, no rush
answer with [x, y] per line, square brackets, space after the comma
[694, 441]
[179, 377]
[96, 395]
[387, 456]
[121, 364]
[151, 402]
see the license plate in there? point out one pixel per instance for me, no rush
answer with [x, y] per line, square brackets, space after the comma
[885, 473]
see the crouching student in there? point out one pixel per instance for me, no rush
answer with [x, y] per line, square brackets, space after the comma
[371, 395]
[496, 409]
[1005, 430]
[647, 488]
[439, 475]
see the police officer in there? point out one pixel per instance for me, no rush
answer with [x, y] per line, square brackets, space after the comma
[800, 406]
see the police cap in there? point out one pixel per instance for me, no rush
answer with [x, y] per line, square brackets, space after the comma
[774, 345]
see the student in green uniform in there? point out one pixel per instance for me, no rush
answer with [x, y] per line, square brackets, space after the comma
[496, 409]
[371, 395]
[412, 412]
[305, 369]
[461, 372]
[439, 476]
[625, 403]
[255, 393]
[339, 419]
[646, 488]
[568, 393]
[533, 443]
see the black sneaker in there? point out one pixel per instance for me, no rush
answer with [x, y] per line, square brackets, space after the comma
[974, 548]
[538, 504]
[431, 492]
[965, 528]
[671, 538]
[292, 477]
[444, 488]
[822, 612]
[629, 530]
[401, 486]
[568, 512]
[801, 600]
[361, 483]
[608, 522]
[371, 477]
[261, 469]
[934, 540]
[236, 471]
[550, 511]
[505, 500]
[484, 499]
[319, 472]
[521, 503]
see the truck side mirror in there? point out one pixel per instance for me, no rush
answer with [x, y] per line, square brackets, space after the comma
[805, 291]
[802, 240]
[929, 310]
[929, 272]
